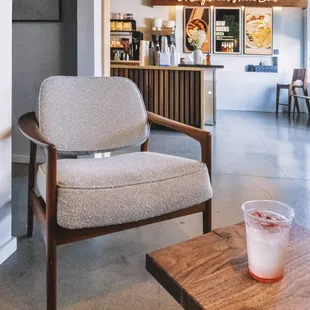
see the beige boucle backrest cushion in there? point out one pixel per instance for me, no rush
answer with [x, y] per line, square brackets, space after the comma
[92, 114]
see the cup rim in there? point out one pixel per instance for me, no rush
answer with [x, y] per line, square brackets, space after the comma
[273, 201]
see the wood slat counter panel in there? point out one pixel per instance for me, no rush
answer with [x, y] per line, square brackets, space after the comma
[175, 93]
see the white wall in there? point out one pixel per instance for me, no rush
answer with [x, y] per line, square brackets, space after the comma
[240, 90]
[40, 50]
[6, 100]
[245, 91]
[91, 36]
[86, 38]
[7, 243]
[307, 37]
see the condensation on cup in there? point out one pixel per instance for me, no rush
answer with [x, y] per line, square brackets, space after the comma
[268, 225]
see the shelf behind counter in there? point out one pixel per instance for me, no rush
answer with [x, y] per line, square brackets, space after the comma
[178, 93]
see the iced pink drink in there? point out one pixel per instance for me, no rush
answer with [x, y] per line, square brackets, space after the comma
[268, 226]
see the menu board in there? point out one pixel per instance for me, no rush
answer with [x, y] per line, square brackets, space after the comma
[227, 31]
[197, 19]
[258, 25]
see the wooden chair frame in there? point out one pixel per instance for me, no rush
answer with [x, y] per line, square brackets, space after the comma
[46, 213]
[292, 93]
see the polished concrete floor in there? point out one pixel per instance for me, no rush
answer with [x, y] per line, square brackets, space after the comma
[256, 156]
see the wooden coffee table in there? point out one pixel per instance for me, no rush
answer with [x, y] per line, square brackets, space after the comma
[211, 272]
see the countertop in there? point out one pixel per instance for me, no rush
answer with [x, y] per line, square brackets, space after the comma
[179, 68]
[202, 66]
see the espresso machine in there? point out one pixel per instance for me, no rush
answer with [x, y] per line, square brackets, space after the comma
[165, 50]
[137, 37]
[159, 39]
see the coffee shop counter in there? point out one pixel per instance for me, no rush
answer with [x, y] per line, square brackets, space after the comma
[185, 94]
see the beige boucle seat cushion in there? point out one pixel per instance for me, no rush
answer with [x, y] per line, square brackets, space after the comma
[125, 188]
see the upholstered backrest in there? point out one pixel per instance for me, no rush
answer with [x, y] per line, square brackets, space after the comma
[89, 114]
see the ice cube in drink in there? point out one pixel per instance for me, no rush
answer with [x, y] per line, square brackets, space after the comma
[267, 231]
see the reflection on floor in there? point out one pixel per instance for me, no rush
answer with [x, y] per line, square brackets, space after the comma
[256, 156]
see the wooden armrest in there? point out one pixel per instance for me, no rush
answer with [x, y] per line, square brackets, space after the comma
[203, 137]
[5, 134]
[193, 132]
[292, 89]
[301, 97]
[28, 126]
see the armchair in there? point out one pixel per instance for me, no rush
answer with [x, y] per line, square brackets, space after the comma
[79, 199]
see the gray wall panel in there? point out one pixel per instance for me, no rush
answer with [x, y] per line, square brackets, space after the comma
[40, 50]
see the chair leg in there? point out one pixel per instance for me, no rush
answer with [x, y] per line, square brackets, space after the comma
[31, 185]
[277, 100]
[296, 103]
[51, 275]
[307, 100]
[29, 218]
[289, 105]
[207, 218]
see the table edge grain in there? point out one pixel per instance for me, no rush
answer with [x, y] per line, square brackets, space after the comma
[171, 285]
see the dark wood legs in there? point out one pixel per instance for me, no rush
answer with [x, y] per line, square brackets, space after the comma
[278, 103]
[31, 183]
[51, 275]
[296, 103]
[290, 104]
[51, 227]
[307, 100]
[29, 219]
[278, 100]
[207, 218]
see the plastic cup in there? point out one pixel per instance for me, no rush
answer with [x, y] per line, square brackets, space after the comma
[268, 225]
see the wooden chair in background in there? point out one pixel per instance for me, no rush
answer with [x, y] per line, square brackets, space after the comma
[298, 75]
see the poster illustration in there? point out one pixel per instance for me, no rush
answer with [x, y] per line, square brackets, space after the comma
[227, 31]
[258, 34]
[197, 19]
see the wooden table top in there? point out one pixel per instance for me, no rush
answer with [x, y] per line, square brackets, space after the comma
[211, 272]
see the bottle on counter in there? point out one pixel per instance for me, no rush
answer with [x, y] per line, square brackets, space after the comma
[208, 59]
[157, 58]
[174, 56]
[164, 44]
[144, 53]
[228, 47]
[232, 47]
[152, 54]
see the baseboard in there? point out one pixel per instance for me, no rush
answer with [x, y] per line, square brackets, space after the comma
[8, 249]
[5, 197]
[24, 159]
[245, 110]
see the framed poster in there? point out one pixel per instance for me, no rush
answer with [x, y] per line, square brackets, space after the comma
[227, 31]
[196, 19]
[36, 10]
[258, 31]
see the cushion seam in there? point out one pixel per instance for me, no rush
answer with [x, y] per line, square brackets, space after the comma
[127, 185]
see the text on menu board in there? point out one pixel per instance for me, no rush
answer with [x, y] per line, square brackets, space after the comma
[252, 3]
[227, 30]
